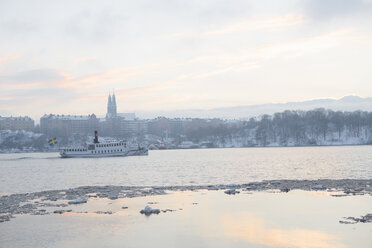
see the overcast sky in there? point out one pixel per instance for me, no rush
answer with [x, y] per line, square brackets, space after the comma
[65, 57]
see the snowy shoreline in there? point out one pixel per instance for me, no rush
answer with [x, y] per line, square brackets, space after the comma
[202, 148]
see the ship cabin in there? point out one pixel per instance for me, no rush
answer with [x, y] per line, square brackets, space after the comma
[107, 148]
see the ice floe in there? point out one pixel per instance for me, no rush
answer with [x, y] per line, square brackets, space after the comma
[149, 210]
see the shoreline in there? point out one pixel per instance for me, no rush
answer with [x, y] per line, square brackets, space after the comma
[203, 148]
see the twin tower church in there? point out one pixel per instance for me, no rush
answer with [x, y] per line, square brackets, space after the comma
[111, 106]
[112, 112]
[114, 125]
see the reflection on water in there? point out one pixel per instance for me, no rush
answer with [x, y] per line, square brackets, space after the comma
[43, 171]
[248, 227]
[201, 219]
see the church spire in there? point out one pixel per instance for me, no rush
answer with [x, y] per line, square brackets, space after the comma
[114, 109]
[109, 107]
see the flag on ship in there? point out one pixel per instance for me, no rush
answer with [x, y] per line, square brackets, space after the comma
[52, 141]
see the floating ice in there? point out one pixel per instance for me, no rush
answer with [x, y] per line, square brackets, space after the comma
[61, 211]
[318, 187]
[231, 191]
[149, 210]
[78, 201]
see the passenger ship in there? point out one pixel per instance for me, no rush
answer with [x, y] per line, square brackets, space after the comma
[107, 149]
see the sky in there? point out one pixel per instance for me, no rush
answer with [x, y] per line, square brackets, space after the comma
[65, 57]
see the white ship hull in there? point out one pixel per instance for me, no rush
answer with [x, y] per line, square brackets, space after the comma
[98, 150]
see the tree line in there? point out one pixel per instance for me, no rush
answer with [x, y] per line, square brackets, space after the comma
[291, 127]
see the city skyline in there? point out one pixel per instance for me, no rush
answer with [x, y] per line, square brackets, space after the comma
[67, 57]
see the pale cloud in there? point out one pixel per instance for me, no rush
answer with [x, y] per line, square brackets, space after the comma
[252, 58]
[321, 10]
[274, 23]
[307, 45]
[258, 23]
[164, 54]
[8, 58]
[85, 59]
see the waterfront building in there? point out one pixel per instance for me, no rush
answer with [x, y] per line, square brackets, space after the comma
[67, 125]
[113, 125]
[17, 123]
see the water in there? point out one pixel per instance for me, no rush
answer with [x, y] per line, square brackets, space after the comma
[296, 219]
[31, 172]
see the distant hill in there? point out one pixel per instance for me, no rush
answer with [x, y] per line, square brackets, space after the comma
[347, 103]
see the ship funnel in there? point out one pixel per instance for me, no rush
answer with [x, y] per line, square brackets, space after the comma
[95, 137]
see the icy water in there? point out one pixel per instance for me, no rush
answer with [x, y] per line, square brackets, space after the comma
[297, 219]
[32, 172]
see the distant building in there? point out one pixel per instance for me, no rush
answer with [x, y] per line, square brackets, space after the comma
[17, 123]
[67, 125]
[111, 107]
[127, 116]
[113, 125]
[135, 127]
[121, 124]
[162, 127]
